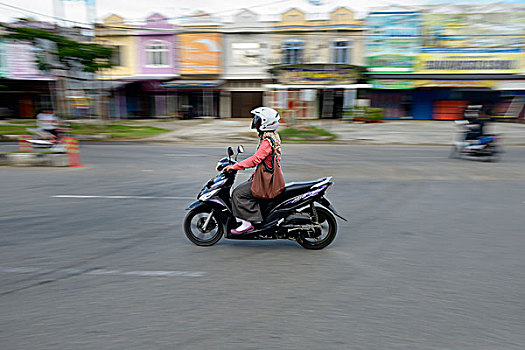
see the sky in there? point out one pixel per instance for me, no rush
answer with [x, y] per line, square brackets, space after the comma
[136, 10]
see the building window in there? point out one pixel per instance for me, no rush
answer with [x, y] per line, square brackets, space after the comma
[246, 54]
[116, 56]
[157, 53]
[293, 52]
[341, 51]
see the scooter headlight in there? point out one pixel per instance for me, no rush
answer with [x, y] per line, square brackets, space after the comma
[208, 195]
[218, 184]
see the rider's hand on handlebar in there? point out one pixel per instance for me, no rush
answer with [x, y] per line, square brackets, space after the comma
[228, 168]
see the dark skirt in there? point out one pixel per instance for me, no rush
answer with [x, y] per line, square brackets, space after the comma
[244, 204]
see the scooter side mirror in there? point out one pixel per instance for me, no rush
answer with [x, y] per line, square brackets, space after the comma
[230, 151]
[240, 150]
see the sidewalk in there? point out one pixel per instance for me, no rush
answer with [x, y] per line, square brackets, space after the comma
[406, 132]
[390, 132]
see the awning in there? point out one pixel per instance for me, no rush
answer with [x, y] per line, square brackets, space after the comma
[135, 78]
[111, 84]
[180, 83]
[29, 78]
[315, 86]
[486, 84]
[510, 85]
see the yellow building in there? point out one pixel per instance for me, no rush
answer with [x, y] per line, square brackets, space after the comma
[316, 38]
[314, 58]
[116, 33]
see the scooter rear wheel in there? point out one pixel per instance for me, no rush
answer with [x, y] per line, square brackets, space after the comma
[496, 153]
[202, 229]
[328, 231]
[453, 152]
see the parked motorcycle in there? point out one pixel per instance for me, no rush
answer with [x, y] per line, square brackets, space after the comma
[485, 147]
[300, 213]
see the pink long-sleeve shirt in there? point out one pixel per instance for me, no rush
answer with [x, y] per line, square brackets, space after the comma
[264, 152]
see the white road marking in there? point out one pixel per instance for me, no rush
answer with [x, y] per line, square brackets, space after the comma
[81, 196]
[181, 155]
[101, 272]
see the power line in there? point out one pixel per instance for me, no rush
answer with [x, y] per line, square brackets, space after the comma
[26, 11]
[246, 8]
[291, 28]
[23, 10]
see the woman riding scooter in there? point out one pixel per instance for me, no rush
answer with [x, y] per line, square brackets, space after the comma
[244, 205]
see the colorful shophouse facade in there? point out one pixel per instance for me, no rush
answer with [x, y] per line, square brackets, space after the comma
[145, 56]
[430, 62]
[314, 61]
[200, 50]
[246, 62]
[24, 88]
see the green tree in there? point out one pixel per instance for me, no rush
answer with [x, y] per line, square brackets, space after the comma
[92, 57]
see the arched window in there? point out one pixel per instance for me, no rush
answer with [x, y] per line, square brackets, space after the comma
[157, 53]
[341, 51]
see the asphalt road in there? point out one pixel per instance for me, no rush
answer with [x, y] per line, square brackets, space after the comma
[432, 257]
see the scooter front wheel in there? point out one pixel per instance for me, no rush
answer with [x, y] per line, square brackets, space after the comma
[202, 227]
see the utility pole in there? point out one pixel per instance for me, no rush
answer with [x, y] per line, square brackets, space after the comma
[58, 6]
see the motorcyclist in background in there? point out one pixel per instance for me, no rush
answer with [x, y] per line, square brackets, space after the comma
[48, 122]
[478, 120]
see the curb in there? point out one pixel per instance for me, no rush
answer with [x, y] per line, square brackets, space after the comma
[357, 141]
[80, 137]
[34, 159]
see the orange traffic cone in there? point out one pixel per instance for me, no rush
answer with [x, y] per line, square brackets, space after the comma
[73, 151]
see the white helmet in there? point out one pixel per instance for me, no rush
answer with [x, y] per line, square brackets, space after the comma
[265, 119]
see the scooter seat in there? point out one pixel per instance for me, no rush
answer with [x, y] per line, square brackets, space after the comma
[299, 185]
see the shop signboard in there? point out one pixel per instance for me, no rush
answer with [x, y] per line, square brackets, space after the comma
[468, 33]
[490, 42]
[392, 84]
[200, 53]
[470, 63]
[454, 83]
[391, 63]
[393, 40]
[329, 74]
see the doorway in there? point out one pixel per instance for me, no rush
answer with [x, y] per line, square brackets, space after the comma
[244, 102]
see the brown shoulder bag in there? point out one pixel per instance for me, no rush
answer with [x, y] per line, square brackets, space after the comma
[268, 182]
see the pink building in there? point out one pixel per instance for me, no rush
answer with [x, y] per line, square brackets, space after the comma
[142, 95]
[157, 48]
[25, 88]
